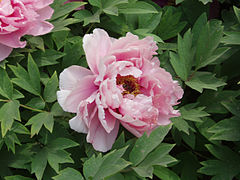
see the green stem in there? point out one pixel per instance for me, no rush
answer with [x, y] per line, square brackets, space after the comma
[24, 106]
[90, 27]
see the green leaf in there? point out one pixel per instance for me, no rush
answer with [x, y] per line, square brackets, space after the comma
[37, 41]
[34, 74]
[37, 121]
[100, 167]
[188, 166]
[193, 114]
[225, 167]
[170, 24]
[36, 103]
[139, 7]
[231, 37]
[50, 89]
[182, 63]
[8, 112]
[157, 157]
[204, 80]
[65, 9]
[227, 129]
[110, 6]
[39, 163]
[60, 38]
[48, 57]
[6, 87]
[237, 13]
[165, 173]
[23, 79]
[10, 140]
[68, 173]
[96, 3]
[232, 105]
[54, 154]
[181, 124]
[145, 144]
[205, 1]
[208, 41]
[212, 100]
[17, 177]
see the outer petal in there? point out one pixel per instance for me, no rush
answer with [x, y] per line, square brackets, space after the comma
[78, 125]
[96, 46]
[70, 77]
[69, 101]
[100, 139]
[107, 120]
[13, 39]
[4, 51]
[39, 28]
[45, 13]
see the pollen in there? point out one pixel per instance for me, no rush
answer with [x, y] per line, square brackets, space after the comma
[129, 83]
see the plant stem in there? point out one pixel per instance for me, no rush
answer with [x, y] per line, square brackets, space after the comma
[24, 106]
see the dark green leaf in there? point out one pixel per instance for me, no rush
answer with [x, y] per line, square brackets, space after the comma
[6, 87]
[50, 90]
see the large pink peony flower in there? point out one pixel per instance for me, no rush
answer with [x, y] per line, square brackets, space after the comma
[21, 17]
[124, 85]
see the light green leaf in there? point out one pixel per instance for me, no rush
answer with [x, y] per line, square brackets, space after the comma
[181, 124]
[157, 157]
[65, 9]
[37, 42]
[34, 74]
[17, 177]
[37, 121]
[205, 1]
[193, 114]
[36, 103]
[101, 167]
[50, 90]
[237, 13]
[68, 173]
[6, 87]
[145, 144]
[231, 37]
[165, 173]
[8, 112]
[204, 80]
[139, 7]
[39, 163]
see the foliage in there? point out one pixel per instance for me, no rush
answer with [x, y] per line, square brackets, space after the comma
[201, 53]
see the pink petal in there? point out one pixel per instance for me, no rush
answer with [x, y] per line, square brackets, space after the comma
[4, 51]
[107, 120]
[70, 101]
[96, 46]
[42, 4]
[70, 77]
[100, 139]
[13, 39]
[77, 124]
[39, 28]
[45, 13]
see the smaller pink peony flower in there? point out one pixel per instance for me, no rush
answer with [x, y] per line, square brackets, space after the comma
[124, 85]
[21, 17]
[81, 7]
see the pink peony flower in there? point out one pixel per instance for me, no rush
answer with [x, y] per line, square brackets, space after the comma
[21, 17]
[82, 7]
[124, 85]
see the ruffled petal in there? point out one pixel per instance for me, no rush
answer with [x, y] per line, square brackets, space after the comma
[84, 89]
[70, 77]
[96, 46]
[100, 139]
[77, 124]
[39, 28]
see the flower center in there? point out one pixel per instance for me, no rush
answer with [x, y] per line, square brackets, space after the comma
[129, 84]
